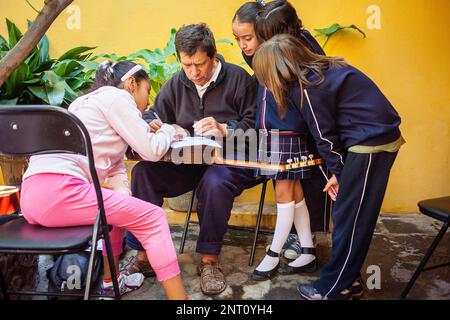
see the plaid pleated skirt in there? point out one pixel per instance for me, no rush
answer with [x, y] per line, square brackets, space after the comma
[282, 148]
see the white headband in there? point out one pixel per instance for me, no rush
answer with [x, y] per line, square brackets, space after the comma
[130, 72]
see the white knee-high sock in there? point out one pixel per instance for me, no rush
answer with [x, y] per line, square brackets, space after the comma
[303, 226]
[285, 218]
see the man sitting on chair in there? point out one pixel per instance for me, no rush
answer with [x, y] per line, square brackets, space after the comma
[212, 97]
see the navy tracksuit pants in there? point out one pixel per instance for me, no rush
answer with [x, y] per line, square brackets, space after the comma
[362, 186]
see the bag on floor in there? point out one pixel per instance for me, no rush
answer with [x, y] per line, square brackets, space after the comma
[69, 273]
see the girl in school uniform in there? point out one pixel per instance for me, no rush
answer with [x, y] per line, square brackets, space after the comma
[243, 25]
[286, 142]
[271, 18]
[279, 16]
[341, 107]
[112, 113]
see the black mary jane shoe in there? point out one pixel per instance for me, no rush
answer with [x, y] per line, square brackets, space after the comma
[266, 275]
[307, 268]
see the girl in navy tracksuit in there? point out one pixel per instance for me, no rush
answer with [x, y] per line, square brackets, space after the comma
[357, 133]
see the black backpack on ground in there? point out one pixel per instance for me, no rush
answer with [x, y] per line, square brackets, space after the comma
[69, 272]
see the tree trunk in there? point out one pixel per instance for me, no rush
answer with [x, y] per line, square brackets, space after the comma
[31, 38]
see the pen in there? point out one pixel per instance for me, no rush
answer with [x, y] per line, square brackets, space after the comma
[326, 178]
[156, 115]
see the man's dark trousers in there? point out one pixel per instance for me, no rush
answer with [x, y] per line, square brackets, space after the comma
[217, 186]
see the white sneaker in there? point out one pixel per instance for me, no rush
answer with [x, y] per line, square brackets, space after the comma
[293, 251]
[291, 238]
[292, 247]
[127, 283]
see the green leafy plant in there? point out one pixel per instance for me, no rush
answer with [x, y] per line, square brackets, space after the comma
[42, 80]
[333, 29]
[161, 64]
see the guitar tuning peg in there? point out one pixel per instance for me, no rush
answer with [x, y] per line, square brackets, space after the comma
[304, 158]
[289, 161]
[311, 156]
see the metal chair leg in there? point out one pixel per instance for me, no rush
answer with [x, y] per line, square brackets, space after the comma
[4, 287]
[186, 222]
[425, 260]
[112, 268]
[258, 222]
[87, 290]
[110, 256]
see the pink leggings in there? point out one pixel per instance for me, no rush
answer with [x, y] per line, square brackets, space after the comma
[58, 200]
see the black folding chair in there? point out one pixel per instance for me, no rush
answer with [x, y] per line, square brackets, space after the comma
[31, 130]
[439, 209]
[257, 228]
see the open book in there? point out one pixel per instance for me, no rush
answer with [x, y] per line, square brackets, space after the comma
[195, 141]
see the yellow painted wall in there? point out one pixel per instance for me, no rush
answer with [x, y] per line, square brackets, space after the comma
[408, 58]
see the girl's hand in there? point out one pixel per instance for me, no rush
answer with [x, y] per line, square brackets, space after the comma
[332, 187]
[180, 133]
[155, 125]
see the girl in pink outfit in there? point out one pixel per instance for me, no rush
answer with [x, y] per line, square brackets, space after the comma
[57, 190]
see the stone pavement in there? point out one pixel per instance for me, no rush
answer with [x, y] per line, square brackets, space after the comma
[397, 247]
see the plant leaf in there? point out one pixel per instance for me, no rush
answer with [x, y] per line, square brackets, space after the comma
[47, 65]
[150, 57]
[14, 33]
[3, 44]
[75, 53]
[14, 83]
[78, 83]
[335, 27]
[89, 75]
[90, 65]
[84, 57]
[70, 94]
[33, 59]
[32, 81]
[65, 67]
[9, 102]
[39, 92]
[44, 47]
[170, 46]
[55, 93]
[331, 30]
[357, 29]
[51, 78]
[112, 56]
[225, 41]
[3, 53]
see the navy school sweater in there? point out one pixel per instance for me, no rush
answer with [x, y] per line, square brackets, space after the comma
[345, 110]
